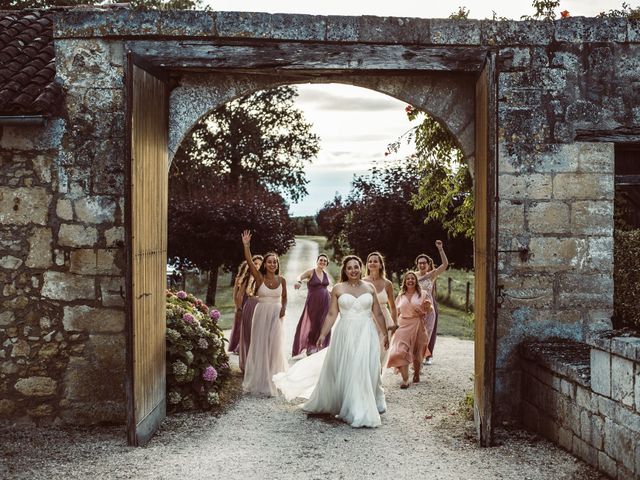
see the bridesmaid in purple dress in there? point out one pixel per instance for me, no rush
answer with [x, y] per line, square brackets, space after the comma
[238, 299]
[315, 308]
[248, 305]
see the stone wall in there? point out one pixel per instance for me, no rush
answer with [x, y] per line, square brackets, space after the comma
[566, 91]
[61, 250]
[584, 398]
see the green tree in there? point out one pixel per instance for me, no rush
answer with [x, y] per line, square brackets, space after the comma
[261, 138]
[445, 185]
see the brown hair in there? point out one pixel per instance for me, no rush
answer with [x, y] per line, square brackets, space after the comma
[428, 259]
[403, 288]
[343, 270]
[383, 271]
[263, 267]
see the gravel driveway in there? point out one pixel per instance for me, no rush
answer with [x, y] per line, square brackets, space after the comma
[423, 435]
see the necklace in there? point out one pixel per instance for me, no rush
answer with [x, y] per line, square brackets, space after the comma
[271, 283]
[353, 284]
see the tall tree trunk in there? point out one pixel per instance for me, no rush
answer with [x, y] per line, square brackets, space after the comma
[213, 285]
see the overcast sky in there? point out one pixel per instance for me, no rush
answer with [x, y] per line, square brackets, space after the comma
[355, 124]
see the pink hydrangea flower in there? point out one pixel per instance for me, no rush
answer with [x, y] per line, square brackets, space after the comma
[181, 294]
[210, 374]
[188, 318]
[202, 343]
[214, 314]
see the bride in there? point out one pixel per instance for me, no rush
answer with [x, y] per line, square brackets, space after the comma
[344, 379]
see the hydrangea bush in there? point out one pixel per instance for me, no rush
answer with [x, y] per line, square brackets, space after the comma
[197, 363]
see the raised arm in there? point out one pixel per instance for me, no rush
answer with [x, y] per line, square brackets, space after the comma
[444, 262]
[283, 298]
[330, 319]
[255, 273]
[303, 276]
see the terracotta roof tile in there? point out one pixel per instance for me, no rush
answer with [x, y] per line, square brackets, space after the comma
[27, 64]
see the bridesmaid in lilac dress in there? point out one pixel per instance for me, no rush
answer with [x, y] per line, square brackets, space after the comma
[427, 275]
[315, 308]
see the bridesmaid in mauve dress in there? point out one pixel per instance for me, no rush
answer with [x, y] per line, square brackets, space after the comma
[315, 308]
[427, 276]
[238, 300]
[410, 342]
[249, 303]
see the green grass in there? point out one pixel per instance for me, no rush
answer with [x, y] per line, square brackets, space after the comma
[455, 323]
[459, 279]
[197, 285]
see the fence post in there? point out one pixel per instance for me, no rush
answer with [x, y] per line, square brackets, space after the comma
[449, 282]
[466, 302]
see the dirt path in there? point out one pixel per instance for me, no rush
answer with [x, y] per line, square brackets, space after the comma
[422, 435]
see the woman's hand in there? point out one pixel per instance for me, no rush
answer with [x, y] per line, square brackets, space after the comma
[386, 342]
[297, 284]
[438, 244]
[246, 238]
[282, 312]
[320, 342]
[392, 329]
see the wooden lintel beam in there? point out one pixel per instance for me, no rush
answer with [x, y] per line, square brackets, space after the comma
[296, 57]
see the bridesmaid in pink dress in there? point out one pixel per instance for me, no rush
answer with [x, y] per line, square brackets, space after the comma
[410, 342]
[427, 276]
[266, 352]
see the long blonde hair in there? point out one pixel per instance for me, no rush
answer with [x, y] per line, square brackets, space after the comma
[403, 288]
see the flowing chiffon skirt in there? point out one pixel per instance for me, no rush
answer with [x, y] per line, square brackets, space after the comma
[344, 379]
[266, 352]
[410, 342]
[315, 310]
[248, 308]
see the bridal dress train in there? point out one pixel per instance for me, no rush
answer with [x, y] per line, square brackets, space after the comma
[344, 379]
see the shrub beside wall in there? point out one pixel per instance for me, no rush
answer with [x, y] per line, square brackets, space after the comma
[197, 363]
[626, 277]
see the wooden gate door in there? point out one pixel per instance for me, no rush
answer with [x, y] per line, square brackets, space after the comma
[146, 249]
[485, 246]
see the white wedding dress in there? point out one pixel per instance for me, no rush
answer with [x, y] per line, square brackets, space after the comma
[343, 379]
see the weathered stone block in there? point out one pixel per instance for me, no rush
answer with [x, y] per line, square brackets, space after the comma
[583, 29]
[40, 252]
[556, 253]
[514, 58]
[600, 256]
[97, 209]
[89, 63]
[565, 438]
[533, 187]
[114, 237]
[36, 386]
[82, 318]
[108, 351]
[94, 262]
[548, 217]
[66, 286]
[516, 33]
[64, 209]
[455, 32]
[592, 217]
[10, 262]
[584, 451]
[342, 29]
[6, 318]
[601, 372]
[393, 29]
[21, 206]
[622, 380]
[94, 412]
[71, 235]
[20, 349]
[607, 465]
[592, 290]
[112, 291]
[582, 186]
[596, 157]
[619, 443]
[584, 399]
